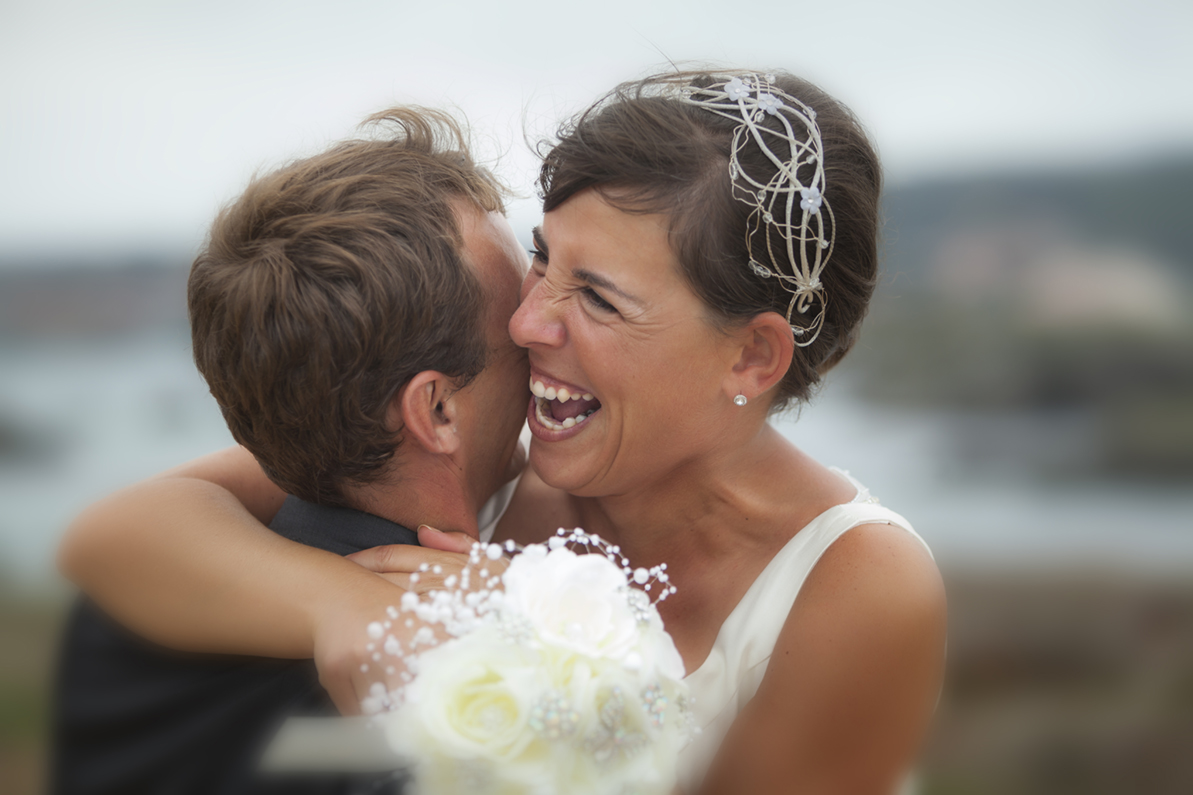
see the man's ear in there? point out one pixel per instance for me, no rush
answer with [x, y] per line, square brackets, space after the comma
[765, 348]
[425, 410]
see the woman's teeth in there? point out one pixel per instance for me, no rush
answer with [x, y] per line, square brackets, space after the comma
[558, 409]
[551, 393]
[544, 416]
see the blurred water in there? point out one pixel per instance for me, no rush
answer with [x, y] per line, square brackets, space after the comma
[918, 463]
[92, 417]
[84, 418]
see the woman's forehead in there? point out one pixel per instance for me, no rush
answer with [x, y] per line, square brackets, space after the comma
[588, 232]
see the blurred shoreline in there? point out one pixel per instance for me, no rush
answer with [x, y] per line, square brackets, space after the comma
[1065, 681]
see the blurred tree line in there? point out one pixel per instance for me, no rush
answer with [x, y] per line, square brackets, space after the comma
[1066, 295]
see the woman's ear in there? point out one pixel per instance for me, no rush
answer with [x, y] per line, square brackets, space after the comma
[764, 350]
[425, 409]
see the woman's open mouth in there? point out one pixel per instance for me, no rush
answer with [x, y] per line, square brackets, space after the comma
[558, 409]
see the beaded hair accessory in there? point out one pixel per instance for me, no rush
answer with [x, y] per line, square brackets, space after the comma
[802, 240]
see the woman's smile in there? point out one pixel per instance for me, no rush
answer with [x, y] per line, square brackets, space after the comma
[558, 407]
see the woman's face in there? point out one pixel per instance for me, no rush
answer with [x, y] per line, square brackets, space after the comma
[606, 315]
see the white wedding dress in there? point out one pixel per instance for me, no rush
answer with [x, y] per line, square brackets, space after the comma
[730, 675]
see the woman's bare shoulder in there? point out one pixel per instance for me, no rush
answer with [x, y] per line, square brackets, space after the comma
[875, 594]
[872, 567]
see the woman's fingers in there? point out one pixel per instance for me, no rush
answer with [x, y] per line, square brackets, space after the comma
[399, 579]
[405, 558]
[448, 541]
[426, 581]
[446, 548]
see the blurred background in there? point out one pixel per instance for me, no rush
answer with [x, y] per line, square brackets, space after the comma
[1023, 390]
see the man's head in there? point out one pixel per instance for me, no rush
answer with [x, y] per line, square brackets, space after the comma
[336, 280]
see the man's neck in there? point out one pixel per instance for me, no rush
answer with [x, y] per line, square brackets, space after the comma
[429, 491]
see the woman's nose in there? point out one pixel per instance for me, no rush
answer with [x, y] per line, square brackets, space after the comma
[537, 320]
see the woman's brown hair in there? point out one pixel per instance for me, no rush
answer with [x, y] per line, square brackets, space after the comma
[645, 151]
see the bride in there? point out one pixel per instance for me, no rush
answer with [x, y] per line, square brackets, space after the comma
[707, 253]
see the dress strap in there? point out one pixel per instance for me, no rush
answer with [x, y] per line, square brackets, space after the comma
[754, 625]
[737, 662]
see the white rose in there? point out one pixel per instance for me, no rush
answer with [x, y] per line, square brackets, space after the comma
[657, 657]
[471, 700]
[624, 748]
[574, 601]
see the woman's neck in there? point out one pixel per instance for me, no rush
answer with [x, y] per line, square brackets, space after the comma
[723, 503]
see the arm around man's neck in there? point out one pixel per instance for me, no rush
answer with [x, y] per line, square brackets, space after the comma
[180, 560]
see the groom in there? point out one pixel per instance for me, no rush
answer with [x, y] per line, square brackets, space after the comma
[349, 313]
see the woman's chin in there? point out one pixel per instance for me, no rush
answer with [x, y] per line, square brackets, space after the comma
[551, 469]
[558, 456]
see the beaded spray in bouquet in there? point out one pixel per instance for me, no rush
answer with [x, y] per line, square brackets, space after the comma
[556, 676]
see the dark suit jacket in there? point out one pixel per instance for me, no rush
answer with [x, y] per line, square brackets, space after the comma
[132, 717]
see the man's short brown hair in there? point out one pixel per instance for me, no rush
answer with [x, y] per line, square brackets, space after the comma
[329, 284]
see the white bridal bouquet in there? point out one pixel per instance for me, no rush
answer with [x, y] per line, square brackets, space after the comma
[561, 681]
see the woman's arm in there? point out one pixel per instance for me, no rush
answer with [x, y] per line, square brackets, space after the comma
[184, 559]
[166, 558]
[853, 678]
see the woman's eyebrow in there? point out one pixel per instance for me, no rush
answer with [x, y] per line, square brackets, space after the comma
[597, 280]
[584, 275]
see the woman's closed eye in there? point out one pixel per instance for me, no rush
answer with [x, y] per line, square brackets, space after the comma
[594, 299]
[539, 262]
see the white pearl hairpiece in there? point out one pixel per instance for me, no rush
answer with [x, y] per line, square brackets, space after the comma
[794, 211]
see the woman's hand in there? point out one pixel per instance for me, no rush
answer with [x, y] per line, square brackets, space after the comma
[344, 651]
[445, 553]
[350, 660]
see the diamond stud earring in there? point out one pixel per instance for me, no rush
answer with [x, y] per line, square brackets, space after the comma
[740, 400]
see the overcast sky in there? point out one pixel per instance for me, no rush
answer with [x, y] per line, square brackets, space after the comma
[125, 124]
